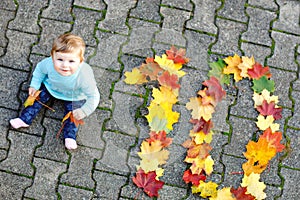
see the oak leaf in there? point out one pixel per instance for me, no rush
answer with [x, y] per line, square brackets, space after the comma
[273, 139]
[246, 65]
[269, 109]
[199, 110]
[263, 83]
[214, 88]
[206, 189]
[148, 182]
[135, 77]
[30, 100]
[232, 67]
[217, 71]
[258, 71]
[169, 80]
[240, 194]
[177, 55]
[254, 187]
[223, 194]
[195, 179]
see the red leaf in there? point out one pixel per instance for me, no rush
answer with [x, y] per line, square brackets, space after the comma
[193, 178]
[269, 109]
[273, 139]
[214, 88]
[258, 71]
[148, 182]
[240, 194]
[166, 79]
[201, 125]
[161, 136]
[151, 69]
[178, 56]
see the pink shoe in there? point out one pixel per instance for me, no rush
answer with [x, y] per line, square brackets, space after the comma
[18, 123]
[70, 143]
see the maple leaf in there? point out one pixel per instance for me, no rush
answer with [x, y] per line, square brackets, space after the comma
[178, 56]
[161, 136]
[198, 150]
[240, 194]
[258, 71]
[217, 71]
[265, 122]
[254, 187]
[169, 65]
[195, 179]
[163, 94]
[246, 65]
[269, 109]
[201, 137]
[151, 69]
[153, 151]
[199, 110]
[72, 119]
[263, 83]
[148, 182]
[201, 125]
[206, 189]
[30, 100]
[168, 80]
[254, 166]
[214, 88]
[273, 139]
[135, 77]
[232, 67]
[265, 95]
[199, 164]
[148, 165]
[223, 194]
[206, 98]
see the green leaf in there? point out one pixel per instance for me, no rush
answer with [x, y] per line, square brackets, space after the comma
[263, 83]
[217, 71]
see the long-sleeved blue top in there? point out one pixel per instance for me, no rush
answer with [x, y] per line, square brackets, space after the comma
[79, 86]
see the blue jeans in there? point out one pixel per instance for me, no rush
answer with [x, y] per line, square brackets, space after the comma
[30, 112]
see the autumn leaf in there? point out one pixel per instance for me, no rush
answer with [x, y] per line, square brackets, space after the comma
[254, 187]
[135, 77]
[217, 71]
[178, 56]
[223, 194]
[163, 95]
[259, 71]
[195, 179]
[169, 65]
[153, 151]
[148, 165]
[263, 83]
[30, 100]
[199, 164]
[148, 182]
[198, 150]
[168, 80]
[201, 137]
[161, 136]
[247, 63]
[240, 194]
[232, 67]
[254, 166]
[201, 125]
[265, 95]
[151, 69]
[273, 139]
[72, 119]
[269, 109]
[199, 110]
[206, 189]
[265, 122]
[214, 89]
[207, 99]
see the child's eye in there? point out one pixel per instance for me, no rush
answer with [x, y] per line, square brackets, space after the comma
[71, 61]
[59, 59]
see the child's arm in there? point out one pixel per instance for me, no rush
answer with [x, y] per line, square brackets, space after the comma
[39, 75]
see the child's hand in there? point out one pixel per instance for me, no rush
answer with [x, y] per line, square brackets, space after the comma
[31, 91]
[78, 114]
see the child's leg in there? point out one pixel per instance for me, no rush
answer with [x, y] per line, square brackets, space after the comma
[30, 112]
[70, 129]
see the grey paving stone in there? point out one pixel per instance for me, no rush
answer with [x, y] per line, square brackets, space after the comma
[292, 160]
[45, 179]
[108, 50]
[284, 52]
[13, 186]
[272, 192]
[171, 192]
[183, 4]
[147, 10]
[20, 153]
[59, 10]
[123, 117]
[115, 153]
[258, 52]
[220, 115]
[95, 5]
[5, 116]
[52, 147]
[290, 188]
[271, 5]
[270, 174]
[234, 9]
[109, 188]
[3, 154]
[27, 16]
[1, 51]
[204, 16]
[217, 143]
[85, 24]
[197, 48]
[172, 27]
[132, 191]
[71, 193]
[5, 16]
[294, 121]
[242, 131]
[288, 16]
[116, 14]
[51, 30]
[140, 40]
[18, 50]
[80, 169]
[227, 41]
[259, 26]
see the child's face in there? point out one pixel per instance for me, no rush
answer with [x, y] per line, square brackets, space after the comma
[66, 64]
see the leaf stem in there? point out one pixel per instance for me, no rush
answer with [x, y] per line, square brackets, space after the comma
[45, 105]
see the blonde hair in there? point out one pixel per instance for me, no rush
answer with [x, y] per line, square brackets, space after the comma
[67, 43]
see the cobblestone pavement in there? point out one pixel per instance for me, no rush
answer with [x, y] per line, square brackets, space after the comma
[120, 34]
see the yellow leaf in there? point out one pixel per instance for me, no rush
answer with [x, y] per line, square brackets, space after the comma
[245, 65]
[30, 100]
[159, 173]
[265, 122]
[169, 65]
[232, 67]
[224, 194]
[254, 187]
[163, 94]
[148, 165]
[135, 77]
[153, 151]
[201, 137]
[265, 95]
[199, 164]
[206, 189]
[199, 110]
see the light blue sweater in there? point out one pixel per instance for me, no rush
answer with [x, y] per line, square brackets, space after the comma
[79, 86]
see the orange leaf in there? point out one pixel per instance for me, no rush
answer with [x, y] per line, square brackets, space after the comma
[72, 119]
[30, 100]
[273, 139]
[178, 56]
